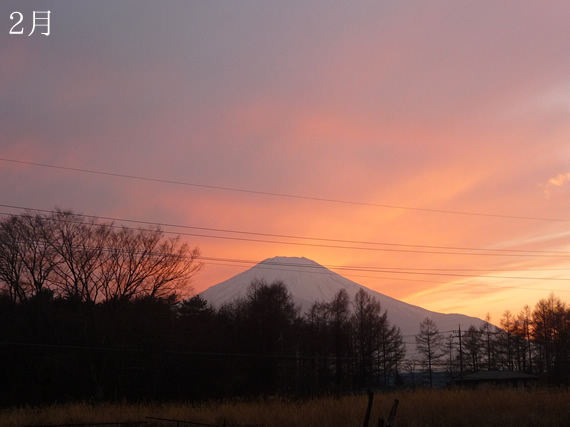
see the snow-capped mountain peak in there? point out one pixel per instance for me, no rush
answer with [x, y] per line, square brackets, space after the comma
[309, 281]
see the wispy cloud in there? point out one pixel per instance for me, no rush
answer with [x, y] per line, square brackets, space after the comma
[556, 184]
[559, 180]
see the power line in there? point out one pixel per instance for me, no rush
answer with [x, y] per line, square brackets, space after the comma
[283, 195]
[388, 270]
[220, 262]
[268, 266]
[373, 269]
[168, 352]
[391, 247]
[273, 266]
[288, 236]
[224, 261]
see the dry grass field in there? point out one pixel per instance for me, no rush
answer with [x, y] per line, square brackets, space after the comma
[417, 408]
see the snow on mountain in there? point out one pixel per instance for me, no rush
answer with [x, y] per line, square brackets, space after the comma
[309, 282]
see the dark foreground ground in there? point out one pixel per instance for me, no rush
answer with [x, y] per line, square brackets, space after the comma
[416, 408]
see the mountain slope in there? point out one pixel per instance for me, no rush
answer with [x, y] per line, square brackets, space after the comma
[309, 282]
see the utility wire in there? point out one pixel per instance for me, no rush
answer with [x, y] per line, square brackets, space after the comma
[480, 285]
[167, 352]
[391, 247]
[280, 265]
[373, 269]
[388, 270]
[283, 195]
[269, 264]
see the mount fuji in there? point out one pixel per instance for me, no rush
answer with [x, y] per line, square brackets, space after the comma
[308, 282]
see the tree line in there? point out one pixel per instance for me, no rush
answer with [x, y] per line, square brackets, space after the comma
[91, 310]
[535, 342]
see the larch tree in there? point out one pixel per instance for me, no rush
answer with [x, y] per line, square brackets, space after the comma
[429, 344]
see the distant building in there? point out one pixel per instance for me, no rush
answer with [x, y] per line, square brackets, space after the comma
[492, 379]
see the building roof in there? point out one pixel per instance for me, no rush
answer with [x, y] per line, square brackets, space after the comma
[498, 376]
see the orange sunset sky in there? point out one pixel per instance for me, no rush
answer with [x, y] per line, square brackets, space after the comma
[421, 149]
